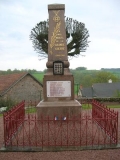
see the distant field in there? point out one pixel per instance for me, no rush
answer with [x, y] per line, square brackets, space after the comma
[39, 76]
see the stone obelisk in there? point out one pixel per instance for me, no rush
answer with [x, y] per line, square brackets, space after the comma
[58, 82]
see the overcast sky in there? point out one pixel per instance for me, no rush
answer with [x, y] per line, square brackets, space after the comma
[101, 18]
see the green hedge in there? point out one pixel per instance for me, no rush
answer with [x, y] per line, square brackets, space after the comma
[108, 99]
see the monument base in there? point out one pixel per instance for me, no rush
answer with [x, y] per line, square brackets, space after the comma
[58, 108]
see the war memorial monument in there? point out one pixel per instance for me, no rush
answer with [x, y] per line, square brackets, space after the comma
[59, 124]
[58, 82]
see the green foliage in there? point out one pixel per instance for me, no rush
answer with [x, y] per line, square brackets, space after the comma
[84, 77]
[7, 103]
[76, 88]
[115, 71]
[87, 77]
[1, 114]
[103, 77]
[9, 71]
[108, 99]
[81, 68]
[117, 94]
[111, 69]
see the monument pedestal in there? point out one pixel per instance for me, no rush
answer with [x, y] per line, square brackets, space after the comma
[59, 99]
[58, 108]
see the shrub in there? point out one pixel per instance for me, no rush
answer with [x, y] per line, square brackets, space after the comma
[7, 103]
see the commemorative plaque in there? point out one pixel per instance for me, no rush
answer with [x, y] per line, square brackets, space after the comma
[58, 88]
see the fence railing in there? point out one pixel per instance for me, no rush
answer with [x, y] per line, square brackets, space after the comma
[106, 118]
[75, 132]
[84, 100]
[82, 131]
[12, 121]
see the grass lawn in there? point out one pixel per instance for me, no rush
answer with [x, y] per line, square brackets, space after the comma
[114, 106]
[86, 106]
[30, 110]
[39, 76]
[1, 114]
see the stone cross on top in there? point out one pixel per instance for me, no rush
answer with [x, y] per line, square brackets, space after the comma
[57, 46]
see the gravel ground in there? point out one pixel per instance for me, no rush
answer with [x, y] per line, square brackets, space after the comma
[109, 154]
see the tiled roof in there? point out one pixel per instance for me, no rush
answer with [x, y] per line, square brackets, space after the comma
[102, 90]
[7, 81]
[106, 89]
[88, 92]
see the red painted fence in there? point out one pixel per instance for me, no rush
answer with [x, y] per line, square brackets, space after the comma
[12, 121]
[84, 131]
[106, 118]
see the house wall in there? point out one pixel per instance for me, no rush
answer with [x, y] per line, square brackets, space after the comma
[26, 89]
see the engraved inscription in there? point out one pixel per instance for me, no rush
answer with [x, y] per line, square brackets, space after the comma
[53, 38]
[59, 44]
[57, 38]
[58, 88]
[59, 48]
[59, 55]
